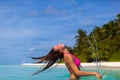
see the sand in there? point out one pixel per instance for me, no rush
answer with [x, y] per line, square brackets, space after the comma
[102, 64]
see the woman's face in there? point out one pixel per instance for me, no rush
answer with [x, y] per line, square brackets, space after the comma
[59, 47]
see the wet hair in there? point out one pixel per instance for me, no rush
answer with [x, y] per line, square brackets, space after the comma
[51, 58]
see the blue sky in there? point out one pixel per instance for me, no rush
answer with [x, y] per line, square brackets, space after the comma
[33, 27]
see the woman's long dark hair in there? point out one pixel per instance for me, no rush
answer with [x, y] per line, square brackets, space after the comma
[51, 58]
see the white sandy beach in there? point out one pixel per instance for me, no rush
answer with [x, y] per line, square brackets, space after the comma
[102, 64]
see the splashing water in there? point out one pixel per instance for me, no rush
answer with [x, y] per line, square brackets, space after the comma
[95, 52]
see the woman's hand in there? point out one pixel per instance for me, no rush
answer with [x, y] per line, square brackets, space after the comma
[98, 75]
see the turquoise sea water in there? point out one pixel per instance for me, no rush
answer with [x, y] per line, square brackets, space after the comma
[19, 72]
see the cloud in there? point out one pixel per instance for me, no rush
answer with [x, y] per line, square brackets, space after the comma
[48, 10]
[15, 33]
[31, 49]
[53, 10]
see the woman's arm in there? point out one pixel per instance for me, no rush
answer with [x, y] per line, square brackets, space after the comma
[77, 72]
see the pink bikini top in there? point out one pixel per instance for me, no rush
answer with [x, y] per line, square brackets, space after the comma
[77, 61]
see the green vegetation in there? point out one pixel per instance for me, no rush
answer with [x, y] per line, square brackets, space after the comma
[103, 42]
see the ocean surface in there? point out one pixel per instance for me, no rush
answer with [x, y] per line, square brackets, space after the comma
[20, 72]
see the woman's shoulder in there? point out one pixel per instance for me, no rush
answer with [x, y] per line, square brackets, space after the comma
[67, 56]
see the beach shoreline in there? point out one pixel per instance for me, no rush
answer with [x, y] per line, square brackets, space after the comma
[93, 64]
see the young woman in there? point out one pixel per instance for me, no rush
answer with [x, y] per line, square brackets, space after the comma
[72, 63]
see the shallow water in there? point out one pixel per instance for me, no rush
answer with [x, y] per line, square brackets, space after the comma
[18, 72]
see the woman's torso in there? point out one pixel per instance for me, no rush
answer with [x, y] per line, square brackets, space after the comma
[77, 62]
